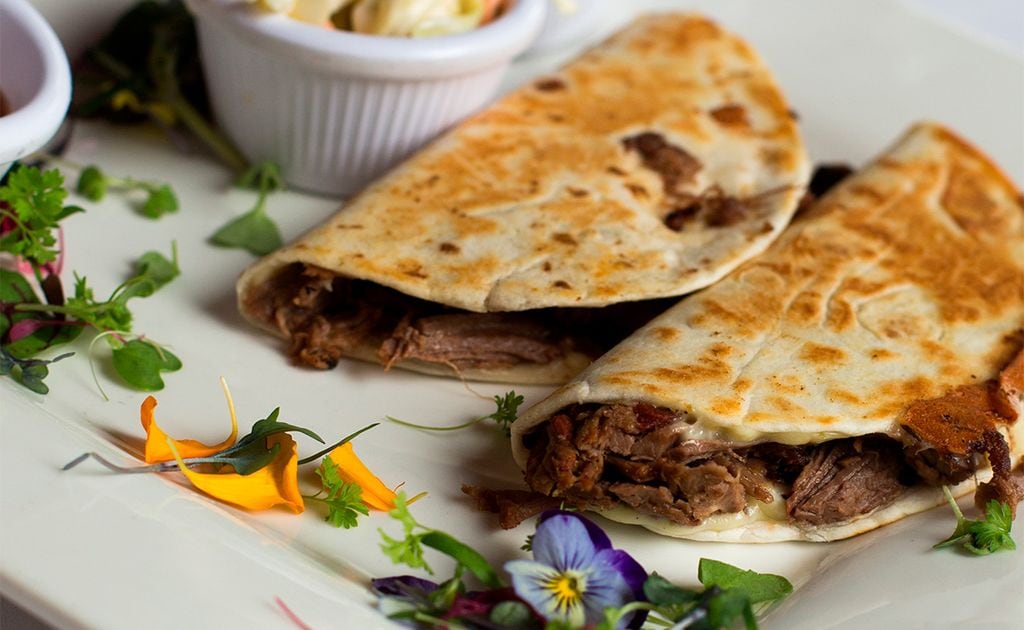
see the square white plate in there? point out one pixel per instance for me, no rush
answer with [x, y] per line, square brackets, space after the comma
[90, 549]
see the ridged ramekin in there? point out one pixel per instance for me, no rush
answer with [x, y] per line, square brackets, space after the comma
[335, 109]
[35, 78]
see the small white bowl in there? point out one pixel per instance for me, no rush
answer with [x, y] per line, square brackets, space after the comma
[336, 109]
[34, 77]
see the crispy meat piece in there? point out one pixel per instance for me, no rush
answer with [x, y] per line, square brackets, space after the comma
[512, 506]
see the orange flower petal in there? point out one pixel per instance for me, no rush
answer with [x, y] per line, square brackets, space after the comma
[277, 483]
[156, 449]
[375, 493]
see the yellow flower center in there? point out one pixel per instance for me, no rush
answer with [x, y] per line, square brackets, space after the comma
[567, 589]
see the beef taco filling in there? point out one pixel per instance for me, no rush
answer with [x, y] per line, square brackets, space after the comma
[658, 462]
[326, 316]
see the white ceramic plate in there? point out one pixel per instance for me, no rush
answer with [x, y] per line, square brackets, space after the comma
[90, 549]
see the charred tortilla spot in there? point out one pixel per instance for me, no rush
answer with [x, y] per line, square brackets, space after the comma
[561, 284]
[665, 333]
[731, 115]
[449, 248]
[673, 165]
[615, 170]
[551, 84]
[577, 192]
[564, 238]
[546, 266]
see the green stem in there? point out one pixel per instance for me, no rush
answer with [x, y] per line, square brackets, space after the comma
[425, 427]
[344, 440]
[217, 142]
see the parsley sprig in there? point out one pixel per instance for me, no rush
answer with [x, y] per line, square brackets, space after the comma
[982, 537]
[505, 413]
[408, 550]
[344, 500]
[32, 209]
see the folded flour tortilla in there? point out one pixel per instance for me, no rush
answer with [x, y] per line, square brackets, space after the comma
[825, 388]
[515, 247]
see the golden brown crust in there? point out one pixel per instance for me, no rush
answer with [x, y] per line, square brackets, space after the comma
[898, 297]
[540, 201]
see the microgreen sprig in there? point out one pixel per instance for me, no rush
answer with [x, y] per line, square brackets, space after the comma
[506, 412]
[254, 231]
[93, 184]
[981, 537]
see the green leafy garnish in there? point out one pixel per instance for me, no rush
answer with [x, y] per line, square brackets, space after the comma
[981, 537]
[729, 596]
[140, 361]
[254, 231]
[507, 411]
[409, 549]
[33, 208]
[504, 415]
[344, 500]
[152, 271]
[758, 587]
[29, 372]
[93, 184]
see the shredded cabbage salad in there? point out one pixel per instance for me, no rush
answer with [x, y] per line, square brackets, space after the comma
[400, 18]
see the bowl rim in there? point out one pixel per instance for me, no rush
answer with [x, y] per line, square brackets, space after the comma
[28, 127]
[496, 42]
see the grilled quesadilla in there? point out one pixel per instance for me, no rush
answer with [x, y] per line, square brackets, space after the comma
[542, 231]
[825, 388]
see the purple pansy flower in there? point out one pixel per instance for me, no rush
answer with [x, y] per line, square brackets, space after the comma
[575, 573]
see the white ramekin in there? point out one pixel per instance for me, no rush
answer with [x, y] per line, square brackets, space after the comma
[36, 79]
[335, 109]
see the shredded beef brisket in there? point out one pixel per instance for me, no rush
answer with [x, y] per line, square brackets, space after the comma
[846, 478]
[639, 455]
[594, 455]
[470, 340]
[325, 316]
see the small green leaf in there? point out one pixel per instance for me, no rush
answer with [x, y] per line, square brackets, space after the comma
[253, 231]
[465, 555]
[661, 592]
[160, 201]
[511, 614]
[759, 587]
[92, 183]
[140, 362]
